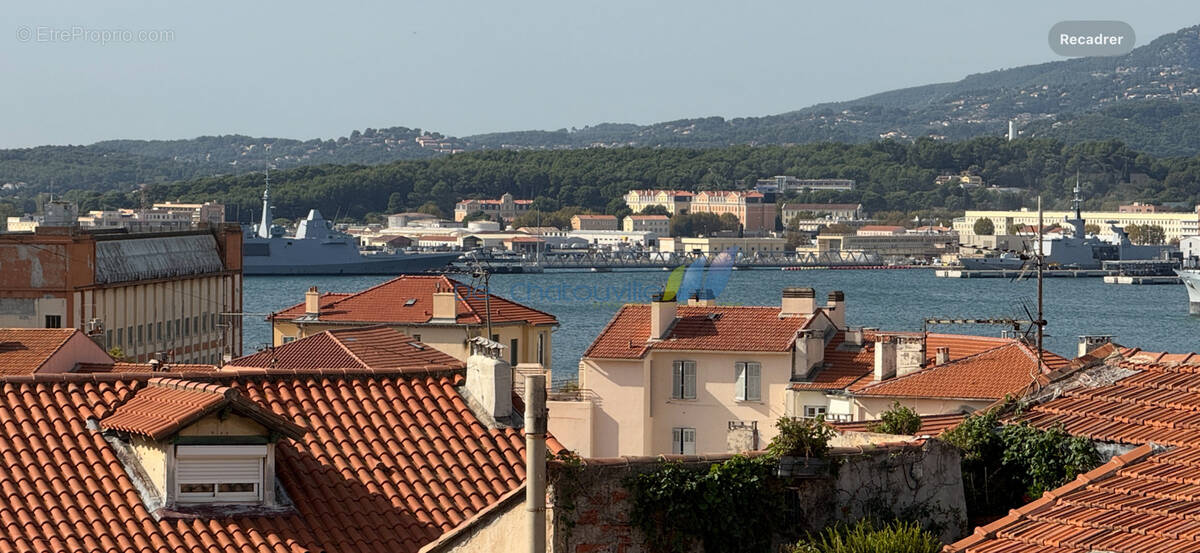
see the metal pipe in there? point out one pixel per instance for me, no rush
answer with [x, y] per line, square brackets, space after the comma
[535, 460]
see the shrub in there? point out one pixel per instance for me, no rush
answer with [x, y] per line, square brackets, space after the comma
[801, 437]
[863, 537]
[897, 420]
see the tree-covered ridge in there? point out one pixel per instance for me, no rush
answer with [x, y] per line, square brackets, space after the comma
[890, 175]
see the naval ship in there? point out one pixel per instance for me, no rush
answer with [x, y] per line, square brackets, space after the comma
[317, 249]
[1078, 251]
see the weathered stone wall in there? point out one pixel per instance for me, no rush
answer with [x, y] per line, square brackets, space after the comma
[922, 481]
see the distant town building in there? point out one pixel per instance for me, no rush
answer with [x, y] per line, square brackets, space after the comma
[615, 237]
[711, 245]
[837, 212]
[207, 212]
[751, 208]
[1138, 207]
[435, 310]
[675, 201]
[594, 222]
[401, 220]
[1175, 225]
[658, 224]
[888, 243]
[783, 183]
[543, 231]
[151, 295]
[964, 180]
[880, 230]
[506, 207]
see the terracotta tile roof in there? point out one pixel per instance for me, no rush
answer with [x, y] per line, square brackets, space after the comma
[25, 350]
[372, 347]
[167, 405]
[729, 328]
[597, 217]
[991, 374]
[1136, 397]
[123, 367]
[388, 303]
[1140, 502]
[390, 463]
[649, 217]
[931, 425]
[852, 368]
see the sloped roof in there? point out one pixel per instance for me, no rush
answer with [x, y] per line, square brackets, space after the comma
[25, 350]
[704, 328]
[390, 463]
[167, 405]
[1144, 501]
[388, 303]
[372, 347]
[991, 374]
[931, 425]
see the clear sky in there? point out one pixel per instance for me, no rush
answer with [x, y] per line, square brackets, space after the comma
[302, 69]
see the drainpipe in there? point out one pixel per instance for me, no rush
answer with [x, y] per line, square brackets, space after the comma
[535, 460]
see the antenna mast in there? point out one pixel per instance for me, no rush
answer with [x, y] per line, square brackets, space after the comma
[1041, 321]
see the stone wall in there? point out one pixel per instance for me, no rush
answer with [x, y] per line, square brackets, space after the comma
[919, 480]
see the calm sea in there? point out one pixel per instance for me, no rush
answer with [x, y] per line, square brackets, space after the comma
[1151, 317]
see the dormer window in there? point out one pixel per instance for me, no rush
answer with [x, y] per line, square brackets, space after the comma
[194, 447]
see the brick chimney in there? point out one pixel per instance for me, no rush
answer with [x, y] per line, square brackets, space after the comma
[798, 302]
[312, 303]
[662, 314]
[942, 356]
[836, 308]
[444, 305]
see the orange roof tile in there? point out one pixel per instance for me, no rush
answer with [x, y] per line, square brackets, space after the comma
[390, 463]
[1144, 501]
[167, 405]
[931, 425]
[124, 367]
[25, 350]
[372, 347]
[389, 303]
[992, 374]
[711, 328]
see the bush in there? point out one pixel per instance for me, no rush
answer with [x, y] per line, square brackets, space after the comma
[801, 437]
[897, 420]
[863, 537]
[984, 227]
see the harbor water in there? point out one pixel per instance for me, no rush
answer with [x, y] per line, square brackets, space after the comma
[1150, 317]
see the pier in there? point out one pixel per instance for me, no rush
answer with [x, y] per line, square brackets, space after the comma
[605, 261]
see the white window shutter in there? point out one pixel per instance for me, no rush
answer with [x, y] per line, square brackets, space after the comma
[753, 381]
[677, 440]
[739, 387]
[216, 470]
[677, 380]
[689, 380]
[689, 441]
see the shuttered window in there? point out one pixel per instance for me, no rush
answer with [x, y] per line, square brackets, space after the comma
[683, 380]
[683, 441]
[748, 384]
[219, 474]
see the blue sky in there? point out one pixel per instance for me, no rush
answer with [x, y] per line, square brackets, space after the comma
[304, 69]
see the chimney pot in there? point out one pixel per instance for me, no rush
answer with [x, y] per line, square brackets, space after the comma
[662, 314]
[943, 356]
[444, 305]
[836, 309]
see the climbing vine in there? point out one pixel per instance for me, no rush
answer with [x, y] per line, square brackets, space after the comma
[897, 420]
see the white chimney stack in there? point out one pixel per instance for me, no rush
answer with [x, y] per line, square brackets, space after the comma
[489, 378]
[1091, 342]
[910, 354]
[836, 308]
[942, 356]
[885, 357]
[662, 314]
[798, 302]
[703, 298]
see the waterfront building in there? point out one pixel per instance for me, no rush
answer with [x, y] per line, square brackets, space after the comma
[594, 222]
[506, 208]
[1175, 225]
[171, 295]
[401, 220]
[752, 209]
[710, 245]
[434, 309]
[889, 243]
[825, 212]
[783, 183]
[615, 237]
[660, 225]
[675, 201]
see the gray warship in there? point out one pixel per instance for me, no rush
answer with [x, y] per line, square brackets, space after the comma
[317, 249]
[1078, 251]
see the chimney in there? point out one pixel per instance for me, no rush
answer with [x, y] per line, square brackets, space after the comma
[910, 354]
[885, 357]
[943, 356]
[798, 302]
[854, 336]
[1088, 343]
[444, 305]
[662, 314]
[702, 298]
[312, 303]
[836, 309]
[810, 352]
[489, 379]
[535, 460]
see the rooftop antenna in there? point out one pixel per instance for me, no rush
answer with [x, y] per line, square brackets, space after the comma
[1041, 261]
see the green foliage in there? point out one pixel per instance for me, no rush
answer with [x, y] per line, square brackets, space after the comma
[1146, 234]
[801, 437]
[655, 210]
[116, 353]
[897, 420]
[1091, 228]
[1005, 466]
[734, 506]
[864, 537]
[984, 227]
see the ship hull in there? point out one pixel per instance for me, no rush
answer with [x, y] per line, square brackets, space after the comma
[991, 263]
[416, 263]
[1191, 279]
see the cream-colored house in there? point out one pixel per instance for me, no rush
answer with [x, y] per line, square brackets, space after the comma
[434, 309]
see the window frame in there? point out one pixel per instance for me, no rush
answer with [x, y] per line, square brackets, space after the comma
[824, 411]
[679, 379]
[747, 377]
[185, 454]
[679, 442]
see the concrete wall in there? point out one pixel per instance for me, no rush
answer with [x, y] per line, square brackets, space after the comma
[501, 527]
[870, 408]
[619, 423]
[920, 481]
[78, 349]
[571, 423]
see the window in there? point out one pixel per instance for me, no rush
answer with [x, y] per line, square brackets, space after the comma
[512, 352]
[120, 336]
[683, 380]
[178, 327]
[683, 441]
[141, 335]
[53, 321]
[289, 339]
[129, 336]
[417, 337]
[749, 381]
[108, 339]
[196, 324]
[814, 411]
[219, 474]
[187, 327]
[160, 331]
[541, 349]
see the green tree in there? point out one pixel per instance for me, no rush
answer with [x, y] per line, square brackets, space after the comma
[897, 420]
[476, 216]
[984, 226]
[1091, 228]
[655, 210]
[730, 221]
[431, 208]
